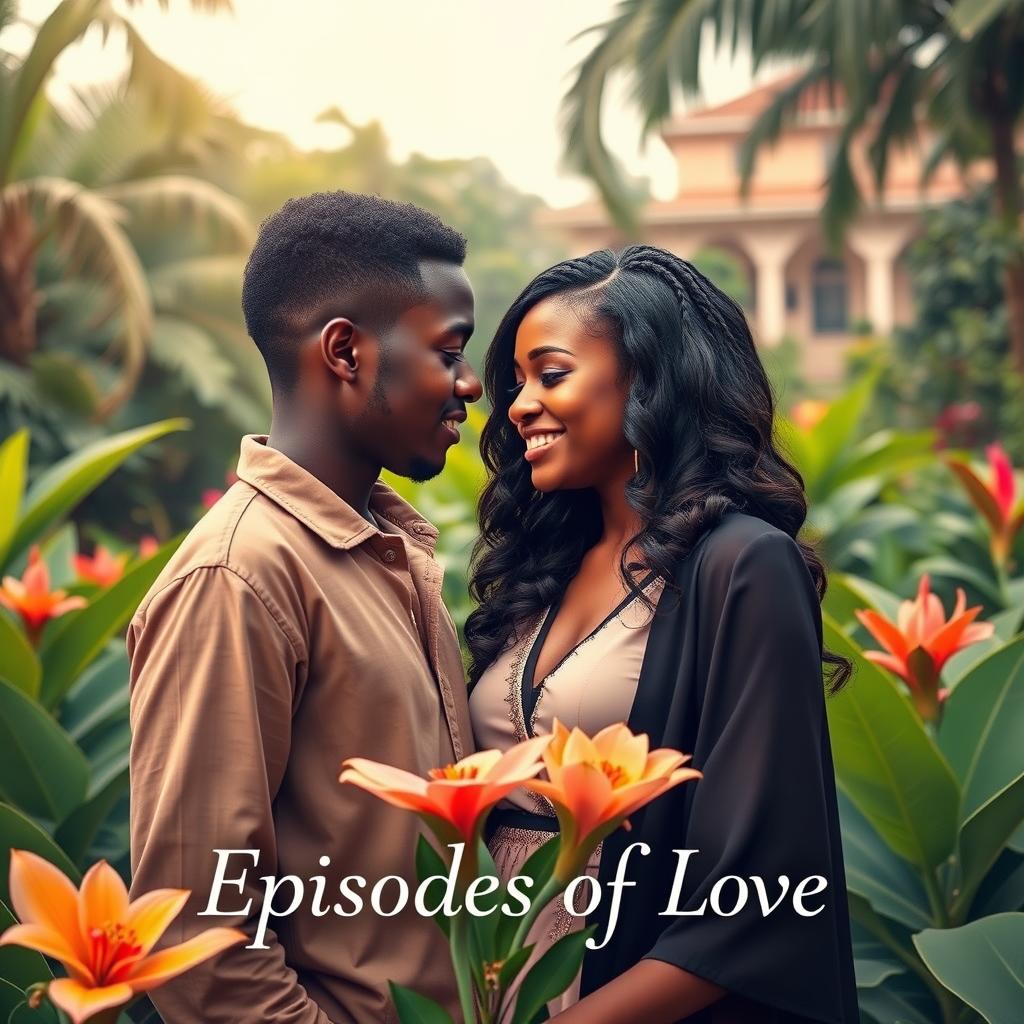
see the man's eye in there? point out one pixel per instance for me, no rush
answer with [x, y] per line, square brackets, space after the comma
[451, 358]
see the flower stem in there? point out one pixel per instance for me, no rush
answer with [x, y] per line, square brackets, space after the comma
[551, 889]
[460, 962]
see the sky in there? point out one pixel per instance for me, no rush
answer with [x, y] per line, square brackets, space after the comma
[447, 78]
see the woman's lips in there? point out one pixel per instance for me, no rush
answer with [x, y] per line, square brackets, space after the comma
[540, 444]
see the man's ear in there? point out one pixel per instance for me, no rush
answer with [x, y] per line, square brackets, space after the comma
[338, 348]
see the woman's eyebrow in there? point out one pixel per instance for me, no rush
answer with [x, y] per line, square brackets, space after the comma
[543, 350]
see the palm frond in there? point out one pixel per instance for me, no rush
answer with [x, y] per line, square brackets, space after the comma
[185, 204]
[782, 111]
[585, 148]
[87, 231]
[67, 22]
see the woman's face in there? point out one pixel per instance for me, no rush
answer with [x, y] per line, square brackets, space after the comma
[569, 401]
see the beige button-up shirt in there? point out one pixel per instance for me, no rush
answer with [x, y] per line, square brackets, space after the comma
[286, 634]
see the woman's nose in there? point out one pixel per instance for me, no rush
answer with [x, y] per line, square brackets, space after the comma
[525, 406]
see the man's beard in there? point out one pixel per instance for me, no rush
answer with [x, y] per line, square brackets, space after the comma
[421, 470]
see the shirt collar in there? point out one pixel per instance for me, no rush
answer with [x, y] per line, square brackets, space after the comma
[315, 505]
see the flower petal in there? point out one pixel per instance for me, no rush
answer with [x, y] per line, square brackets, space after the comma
[377, 776]
[103, 898]
[152, 912]
[169, 963]
[80, 1002]
[522, 761]
[884, 631]
[50, 943]
[1003, 488]
[895, 665]
[42, 894]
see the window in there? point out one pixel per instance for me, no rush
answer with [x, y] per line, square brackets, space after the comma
[829, 297]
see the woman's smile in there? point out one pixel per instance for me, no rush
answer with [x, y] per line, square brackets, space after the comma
[539, 444]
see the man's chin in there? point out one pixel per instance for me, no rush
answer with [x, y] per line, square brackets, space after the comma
[421, 470]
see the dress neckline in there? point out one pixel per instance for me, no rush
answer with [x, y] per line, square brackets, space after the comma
[530, 691]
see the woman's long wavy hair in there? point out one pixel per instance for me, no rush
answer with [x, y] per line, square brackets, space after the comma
[699, 413]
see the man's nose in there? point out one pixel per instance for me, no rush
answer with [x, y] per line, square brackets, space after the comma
[468, 386]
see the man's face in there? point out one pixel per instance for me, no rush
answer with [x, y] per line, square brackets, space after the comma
[422, 381]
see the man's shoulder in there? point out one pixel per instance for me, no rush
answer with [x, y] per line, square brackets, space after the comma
[244, 537]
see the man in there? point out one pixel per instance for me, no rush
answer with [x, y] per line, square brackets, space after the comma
[301, 623]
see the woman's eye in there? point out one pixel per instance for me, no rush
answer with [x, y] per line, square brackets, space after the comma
[551, 377]
[515, 389]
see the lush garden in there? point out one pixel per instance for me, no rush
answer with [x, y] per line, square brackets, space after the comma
[126, 380]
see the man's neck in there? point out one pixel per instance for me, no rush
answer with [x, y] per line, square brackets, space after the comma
[349, 476]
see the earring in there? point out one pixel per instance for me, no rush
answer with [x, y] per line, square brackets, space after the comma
[636, 461]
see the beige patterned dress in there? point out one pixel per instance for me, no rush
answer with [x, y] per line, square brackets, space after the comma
[591, 687]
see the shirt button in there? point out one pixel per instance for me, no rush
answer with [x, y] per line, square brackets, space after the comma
[389, 555]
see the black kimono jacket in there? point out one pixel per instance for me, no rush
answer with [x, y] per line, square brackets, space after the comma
[732, 674]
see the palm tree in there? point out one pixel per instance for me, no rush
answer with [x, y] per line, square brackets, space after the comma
[961, 64]
[80, 194]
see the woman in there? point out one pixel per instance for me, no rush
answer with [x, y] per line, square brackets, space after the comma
[638, 562]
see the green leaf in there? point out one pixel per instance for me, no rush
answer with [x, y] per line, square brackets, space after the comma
[19, 832]
[13, 466]
[429, 863]
[873, 972]
[551, 975]
[57, 491]
[969, 17]
[847, 593]
[72, 646]
[18, 965]
[99, 695]
[416, 1009]
[982, 963]
[885, 453]
[901, 997]
[78, 830]
[833, 436]
[873, 871]
[983, 725]
[58, 551]
[42, 771]
[888, 765]
[538, 867]
[962, 573]
[20, 664]
[984, 835]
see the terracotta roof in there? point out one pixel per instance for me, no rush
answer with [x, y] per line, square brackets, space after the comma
[752, 103]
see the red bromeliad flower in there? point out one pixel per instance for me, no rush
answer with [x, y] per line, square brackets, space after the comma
[922, 640]
[996, 499]
[32, 598]
[103, 568]
[148, 546]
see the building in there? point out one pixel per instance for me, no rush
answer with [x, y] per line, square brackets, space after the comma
[797, 288]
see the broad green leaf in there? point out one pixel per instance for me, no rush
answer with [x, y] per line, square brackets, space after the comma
[429, 864]
[18, 661]
[969, 17]
[99, 694]
[873, 972]
[1003, 888]
[416, 1009]
[13, 466]
[18, 832]
[961, 573]
[888, 765]
[833, 436]
[984, 835]
[20, 966]
[58, 550]
[551, 975]
[982, 963]
[72, 647]
[983, 725]
[78, 830]
[798, 447]
[885, 453]
[873, 871]
[848, 593]
[57, 491]
[41, 770]
[899, 998]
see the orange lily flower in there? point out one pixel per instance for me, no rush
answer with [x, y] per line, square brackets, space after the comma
[103, 940]
[995, 499]
[922, 640]
[103, 568]
[808, 413]
[452, 800]
[596, 783]
[32, 598]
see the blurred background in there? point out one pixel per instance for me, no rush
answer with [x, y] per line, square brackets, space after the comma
[849, 172]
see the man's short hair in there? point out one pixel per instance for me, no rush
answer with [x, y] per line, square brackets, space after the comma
[336, 254]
